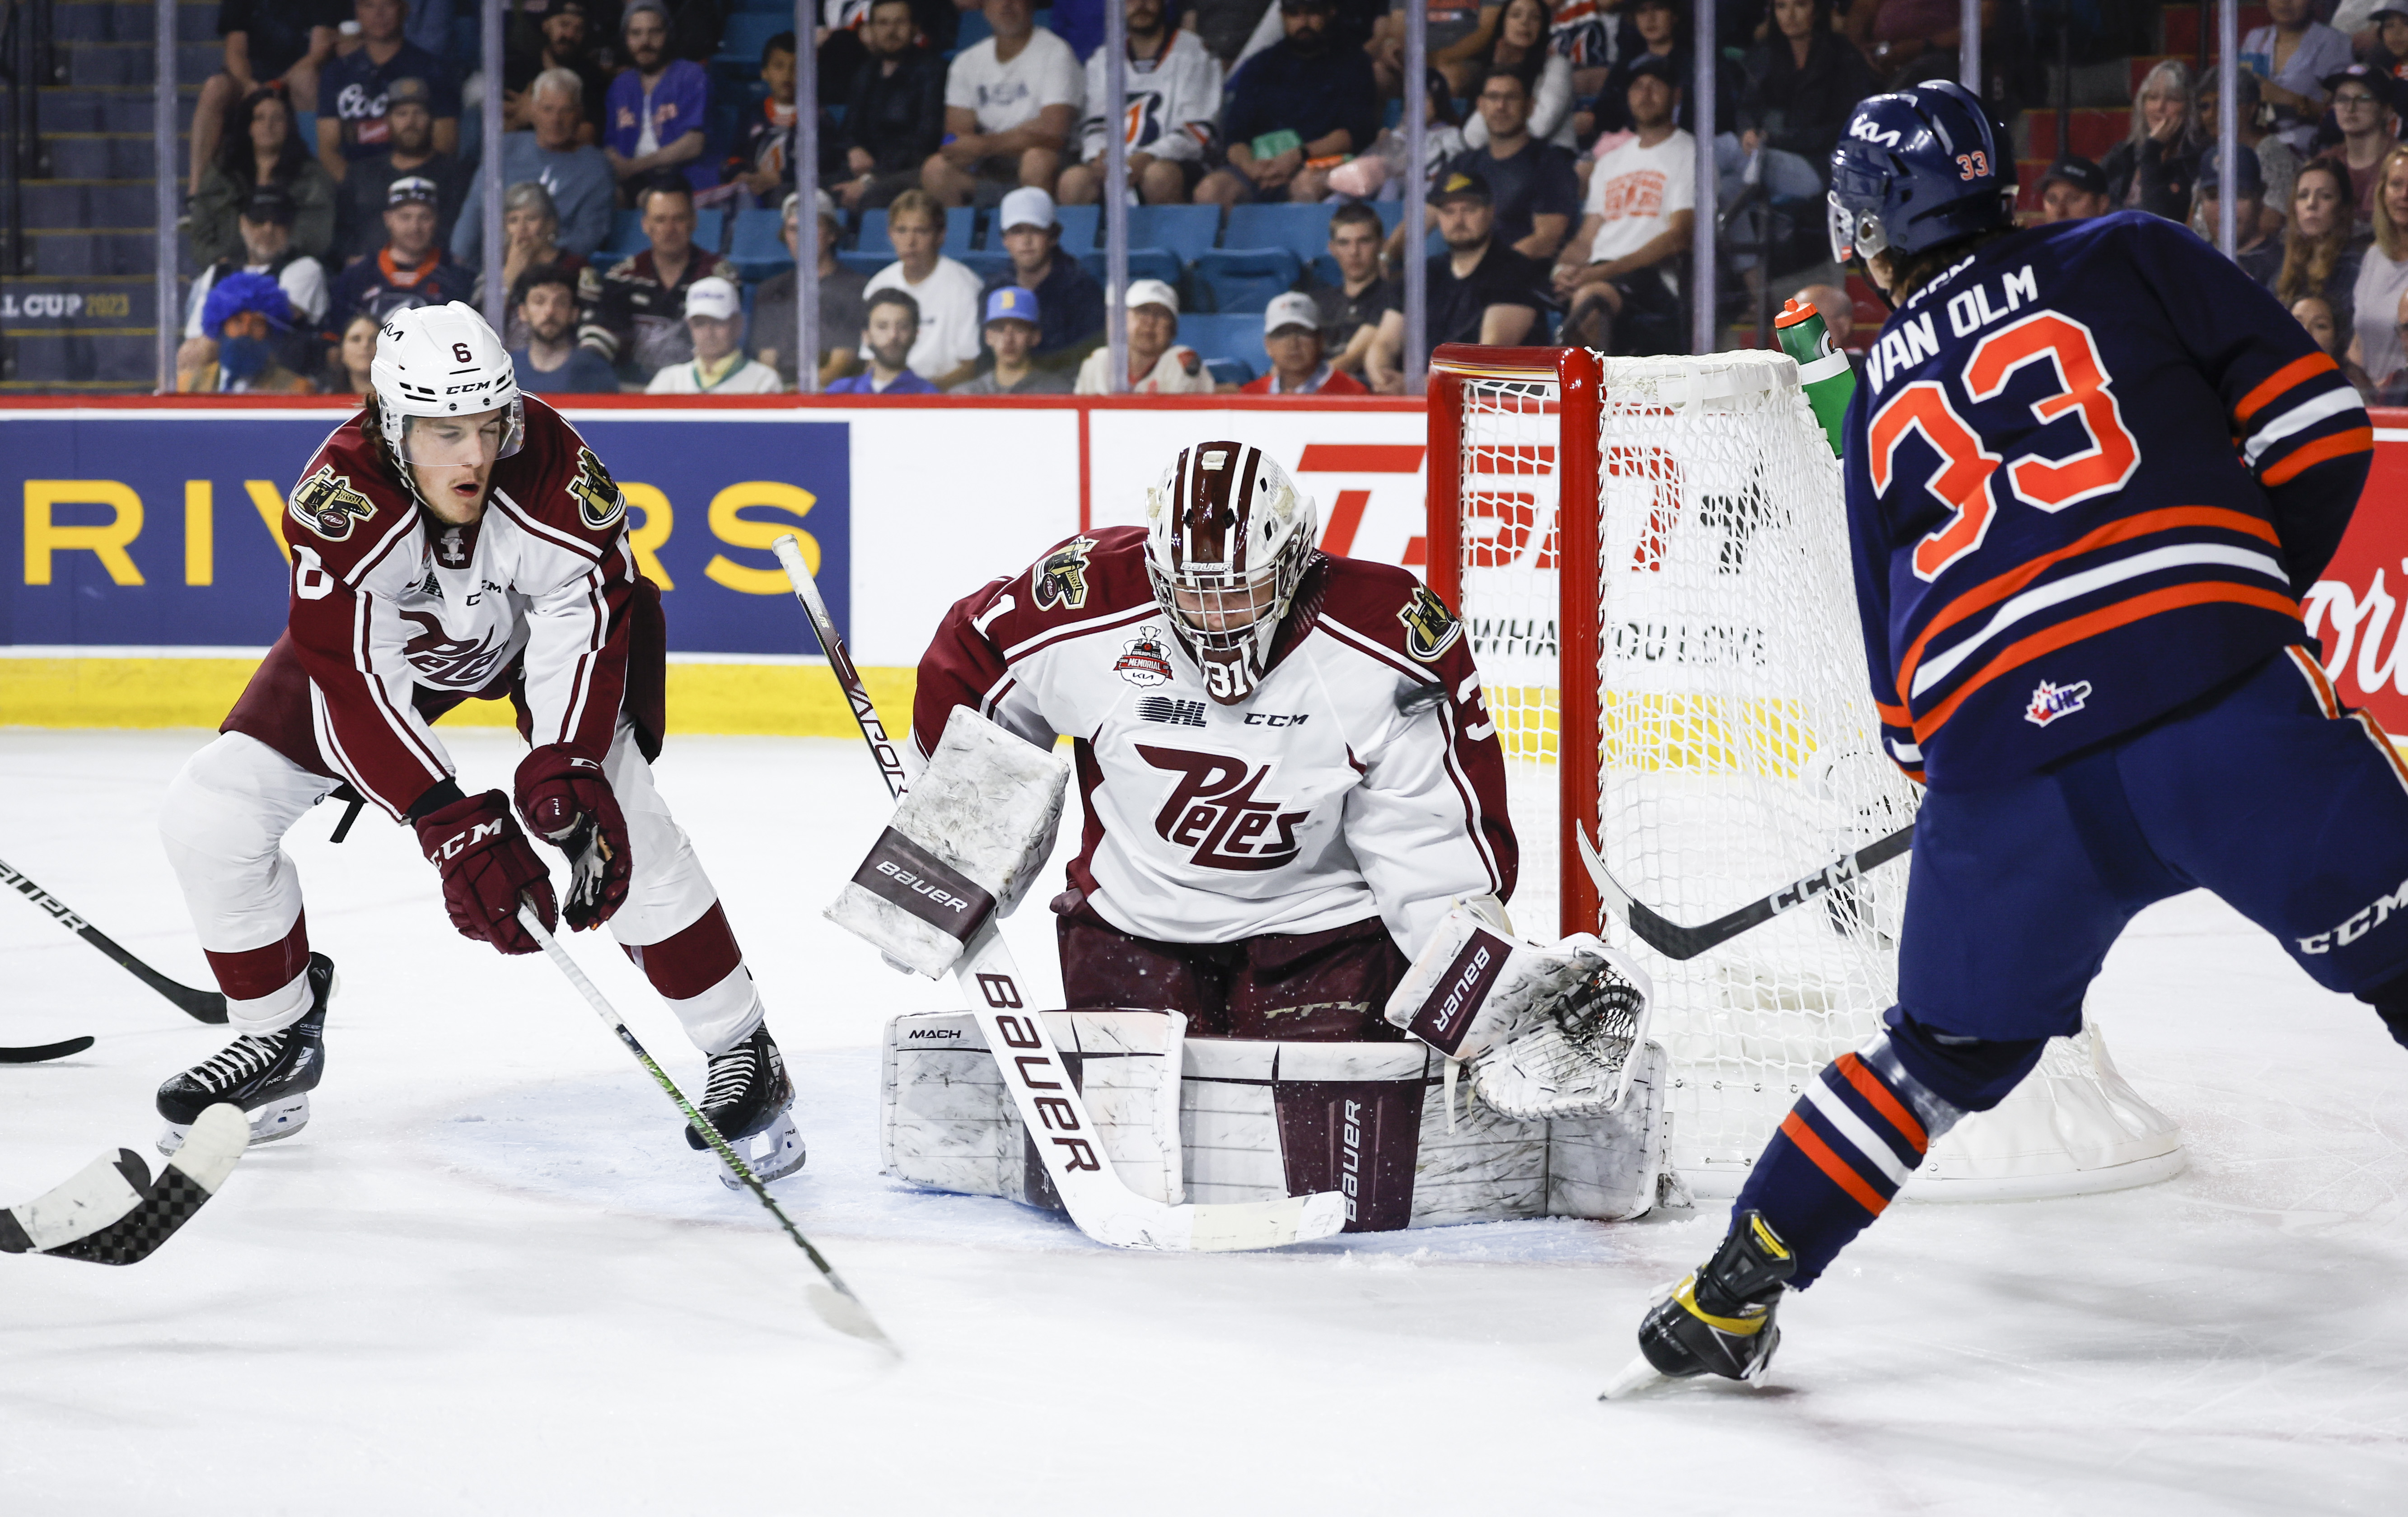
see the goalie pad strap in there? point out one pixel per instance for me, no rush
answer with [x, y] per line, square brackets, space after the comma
[901, 872]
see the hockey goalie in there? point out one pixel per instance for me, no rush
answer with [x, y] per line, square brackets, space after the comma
[1284, 933]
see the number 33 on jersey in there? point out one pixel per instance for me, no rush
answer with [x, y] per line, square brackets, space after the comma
[2086, 480]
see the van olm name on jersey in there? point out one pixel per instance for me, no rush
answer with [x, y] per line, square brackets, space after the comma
[1908, 343]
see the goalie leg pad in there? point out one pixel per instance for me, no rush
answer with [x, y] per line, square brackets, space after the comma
[964, 845]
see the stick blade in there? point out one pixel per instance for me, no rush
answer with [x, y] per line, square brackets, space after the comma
[42, 1051]
[1637, 1375]
[1666, 938]
[837, 1306]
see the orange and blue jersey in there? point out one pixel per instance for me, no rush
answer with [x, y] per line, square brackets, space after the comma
[2090, 470]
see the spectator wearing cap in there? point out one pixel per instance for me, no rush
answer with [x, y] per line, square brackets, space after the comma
[1159, 363]
[2364, 106]
[409, 150]
[1352, 309]
[635, 311]
[560, 36]
[842, 293]
[549, 360]
[1479, 289]
[1072, 301]
[1171, 127]
[2073, 188]
[1010, 105]
[583, 188]
[714, 320]
[945, 294]
[239, 354]
[1292, 339]
[1618, 272]
[1014, 322]
[2258, 254]
[1530, 183]
[890, 329]
[261, 148]
[411, 268]
[653, 118]
[269, 43]
[2292, 55]
[896, 118]
[354, 90]
[1295, 109]
[265, 223]
[2155, 167]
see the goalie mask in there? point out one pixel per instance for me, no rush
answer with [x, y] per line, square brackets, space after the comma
[1228, 541]
[438, 370]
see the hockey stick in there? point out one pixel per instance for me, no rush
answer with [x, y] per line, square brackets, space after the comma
[111, 1212]
[828, 1295]
[44, 1050]
[200, 1004]
[1099, 1203]
[1674, 941]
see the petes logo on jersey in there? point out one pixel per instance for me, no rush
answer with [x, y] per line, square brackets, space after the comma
[1145, 658]
[1213, 812]
[1430, 628]
[439, 658]
[327, 504]
[598, 500]
[1060, 579]
[2049, 702]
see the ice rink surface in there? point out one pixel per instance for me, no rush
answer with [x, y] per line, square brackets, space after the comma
[490, 1276]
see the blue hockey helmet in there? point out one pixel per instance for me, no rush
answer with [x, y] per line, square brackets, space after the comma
[1917, 168]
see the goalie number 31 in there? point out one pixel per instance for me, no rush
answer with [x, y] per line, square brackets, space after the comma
[1962, 480]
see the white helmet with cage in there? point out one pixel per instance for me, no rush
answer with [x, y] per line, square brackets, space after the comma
[1228, 537]
[443, 362]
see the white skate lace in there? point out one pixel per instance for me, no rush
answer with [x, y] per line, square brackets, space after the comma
[731, 1076]
[240, 1060]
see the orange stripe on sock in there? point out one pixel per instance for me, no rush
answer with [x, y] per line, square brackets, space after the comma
[2355, 440]
[1873, 1090]
[1795, 1130]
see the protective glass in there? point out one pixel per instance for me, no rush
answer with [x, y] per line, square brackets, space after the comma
[457, 441]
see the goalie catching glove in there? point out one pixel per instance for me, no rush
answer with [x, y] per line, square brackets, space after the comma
[1549, 1030]
[966, 843]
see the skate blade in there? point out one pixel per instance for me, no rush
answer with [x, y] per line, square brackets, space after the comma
[276, 1119]
[772, 1154]
[1639, 1375]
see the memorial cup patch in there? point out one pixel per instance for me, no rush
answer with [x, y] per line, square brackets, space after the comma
[599, 502]
[1145, 658]
[327, 504]
[1430, 628]
[1061, 578]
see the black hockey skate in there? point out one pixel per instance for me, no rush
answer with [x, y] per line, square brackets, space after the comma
[269, 1078]
[751, 1101]
[1719, 1320]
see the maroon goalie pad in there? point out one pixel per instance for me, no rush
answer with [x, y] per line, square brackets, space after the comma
[1359, 1137]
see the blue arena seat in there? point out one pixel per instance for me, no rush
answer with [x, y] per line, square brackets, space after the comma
[1302, 230]
[1242, 279]
[1185, 230]
[1236, 339]
[1143, 264]
[961, 230]
[1082, 227]
[758, 251]
[871, 237]
[741, 39]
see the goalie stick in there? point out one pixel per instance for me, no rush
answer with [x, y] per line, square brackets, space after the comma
[200, 1004]
[112, 1212]
[1674, 941]
[1048, 1100]
[828, 1295]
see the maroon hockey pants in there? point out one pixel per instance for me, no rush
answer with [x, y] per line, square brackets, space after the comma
[1328, 986]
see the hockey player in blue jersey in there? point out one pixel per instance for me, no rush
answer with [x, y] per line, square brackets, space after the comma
[2090, 470]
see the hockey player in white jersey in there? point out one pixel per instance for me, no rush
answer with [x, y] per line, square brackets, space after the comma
[454, 541]
[1289, 771]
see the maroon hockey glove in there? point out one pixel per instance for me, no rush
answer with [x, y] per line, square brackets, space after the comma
[486, 864]
[567, 802]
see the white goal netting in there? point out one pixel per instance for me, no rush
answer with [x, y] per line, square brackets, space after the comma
[1735, 739]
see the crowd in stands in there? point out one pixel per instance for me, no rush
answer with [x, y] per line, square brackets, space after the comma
[652, 220]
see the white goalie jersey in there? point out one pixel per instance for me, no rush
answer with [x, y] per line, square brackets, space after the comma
[1362, 777]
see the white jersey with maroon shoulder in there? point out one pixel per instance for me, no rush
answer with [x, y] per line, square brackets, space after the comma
[1363, 777]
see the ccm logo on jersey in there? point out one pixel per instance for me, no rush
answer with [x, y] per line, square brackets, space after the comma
[327, 504]
[1213, 813]
[2365, 920]
[1061, 578]
[1264, 718]
[2049, 702]
[1430, 628]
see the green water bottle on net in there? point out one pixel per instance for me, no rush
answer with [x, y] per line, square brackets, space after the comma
[1823, 368]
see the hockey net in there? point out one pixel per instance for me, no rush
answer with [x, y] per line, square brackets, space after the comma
[1674, 528]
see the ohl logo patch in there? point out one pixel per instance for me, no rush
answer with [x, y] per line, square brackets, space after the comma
[1213, 812]
[2049, 702]
[1061, 578]
[1145, 658]
[1430, 628]
[327, 504]
[599, 502]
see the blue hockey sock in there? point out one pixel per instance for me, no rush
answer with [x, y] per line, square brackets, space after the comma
[1864, 1126]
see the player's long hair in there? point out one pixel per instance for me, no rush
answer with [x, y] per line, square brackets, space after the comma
[2308, 263]
[2389, 235]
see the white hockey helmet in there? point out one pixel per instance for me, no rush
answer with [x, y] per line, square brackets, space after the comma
[1228, 537]
[444, 362]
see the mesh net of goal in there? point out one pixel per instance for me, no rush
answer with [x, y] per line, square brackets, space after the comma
[1736, 741]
